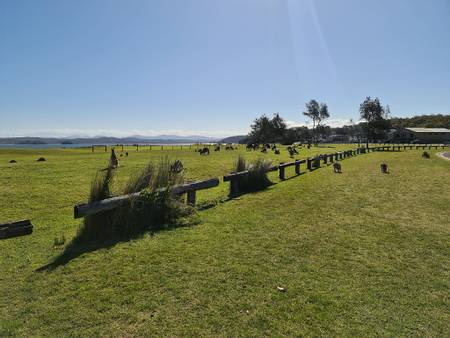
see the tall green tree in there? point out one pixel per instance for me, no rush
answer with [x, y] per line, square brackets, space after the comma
[317, 112]
[374, 116]
[278, 127]
[266, 130]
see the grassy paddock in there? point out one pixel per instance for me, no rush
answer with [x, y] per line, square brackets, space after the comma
[360, 253]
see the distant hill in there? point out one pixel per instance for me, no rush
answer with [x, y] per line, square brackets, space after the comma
[233, 139]
[163, 139]
[422, 121]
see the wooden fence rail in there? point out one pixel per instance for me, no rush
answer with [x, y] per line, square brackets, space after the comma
[14, 229]
[87, 209]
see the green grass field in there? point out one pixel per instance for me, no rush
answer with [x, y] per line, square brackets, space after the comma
[359, 253]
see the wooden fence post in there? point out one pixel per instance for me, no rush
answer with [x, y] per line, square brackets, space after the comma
[190, 199]
[317, 162]
[297, 167]
[281, 173]
[234, 187]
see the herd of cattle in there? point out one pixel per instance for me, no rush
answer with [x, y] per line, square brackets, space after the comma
[264, 148]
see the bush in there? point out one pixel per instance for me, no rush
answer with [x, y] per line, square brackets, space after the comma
[153, 209]
[256, 179]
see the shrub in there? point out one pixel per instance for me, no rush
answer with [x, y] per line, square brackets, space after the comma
[153, 209]
[257, 178]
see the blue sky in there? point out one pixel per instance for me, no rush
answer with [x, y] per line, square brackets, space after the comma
[210, 67]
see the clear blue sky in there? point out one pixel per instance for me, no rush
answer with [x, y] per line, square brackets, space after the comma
[210, 67]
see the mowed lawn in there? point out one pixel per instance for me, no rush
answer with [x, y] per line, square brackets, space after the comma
[358, 253]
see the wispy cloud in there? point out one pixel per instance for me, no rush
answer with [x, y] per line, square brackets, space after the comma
[333, 123]
[69, 132]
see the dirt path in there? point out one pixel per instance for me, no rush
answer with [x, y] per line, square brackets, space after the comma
[444, 155]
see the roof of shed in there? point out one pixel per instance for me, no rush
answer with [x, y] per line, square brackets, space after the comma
[429, 130]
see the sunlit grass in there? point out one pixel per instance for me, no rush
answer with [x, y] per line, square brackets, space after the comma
[360, 253]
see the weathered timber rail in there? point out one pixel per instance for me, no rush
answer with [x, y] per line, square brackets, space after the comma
[15, 229]
[88, 209]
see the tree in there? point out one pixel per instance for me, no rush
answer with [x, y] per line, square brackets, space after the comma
[323, 131]
[260, 129]
[317, 112]
[374, 116]
[265, 130]
[296, 134]
[278, 127]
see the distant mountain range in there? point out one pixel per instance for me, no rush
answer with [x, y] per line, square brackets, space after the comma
[136, 139]
[232, 139]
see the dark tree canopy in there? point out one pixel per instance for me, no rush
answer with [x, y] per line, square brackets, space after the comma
[424, 121]
[374, 119]
[265, 130]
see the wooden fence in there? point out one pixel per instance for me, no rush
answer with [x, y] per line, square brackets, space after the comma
[87, 209]
[312, 163]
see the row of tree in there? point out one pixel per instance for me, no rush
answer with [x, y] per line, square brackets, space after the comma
[374, 125]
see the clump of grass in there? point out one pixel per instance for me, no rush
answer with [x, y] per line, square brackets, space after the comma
[140, 181]
[210, 203]
[59, 240]
[155, 207]
[257, 178]
[240, 164]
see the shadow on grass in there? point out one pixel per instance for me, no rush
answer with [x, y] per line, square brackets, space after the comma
[79, 246]
[294, 176]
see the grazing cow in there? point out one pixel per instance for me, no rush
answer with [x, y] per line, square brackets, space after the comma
[126, 154]
[177, 167]
[217, 148]
[41, 159]
[264, 150]
[384, 168]
[229, 147]
[337, 168]
[13, 161]
[425, 154]
[114, 160]
[292, 151]
[204, 151]
[252, 146]
[276, 151]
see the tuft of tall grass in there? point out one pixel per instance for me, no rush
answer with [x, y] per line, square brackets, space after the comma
[257, 178]
[153, 209]
[140, 181]
[165, 177]
[240, 164]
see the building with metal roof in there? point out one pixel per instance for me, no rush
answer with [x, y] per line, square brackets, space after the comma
[428, 135]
